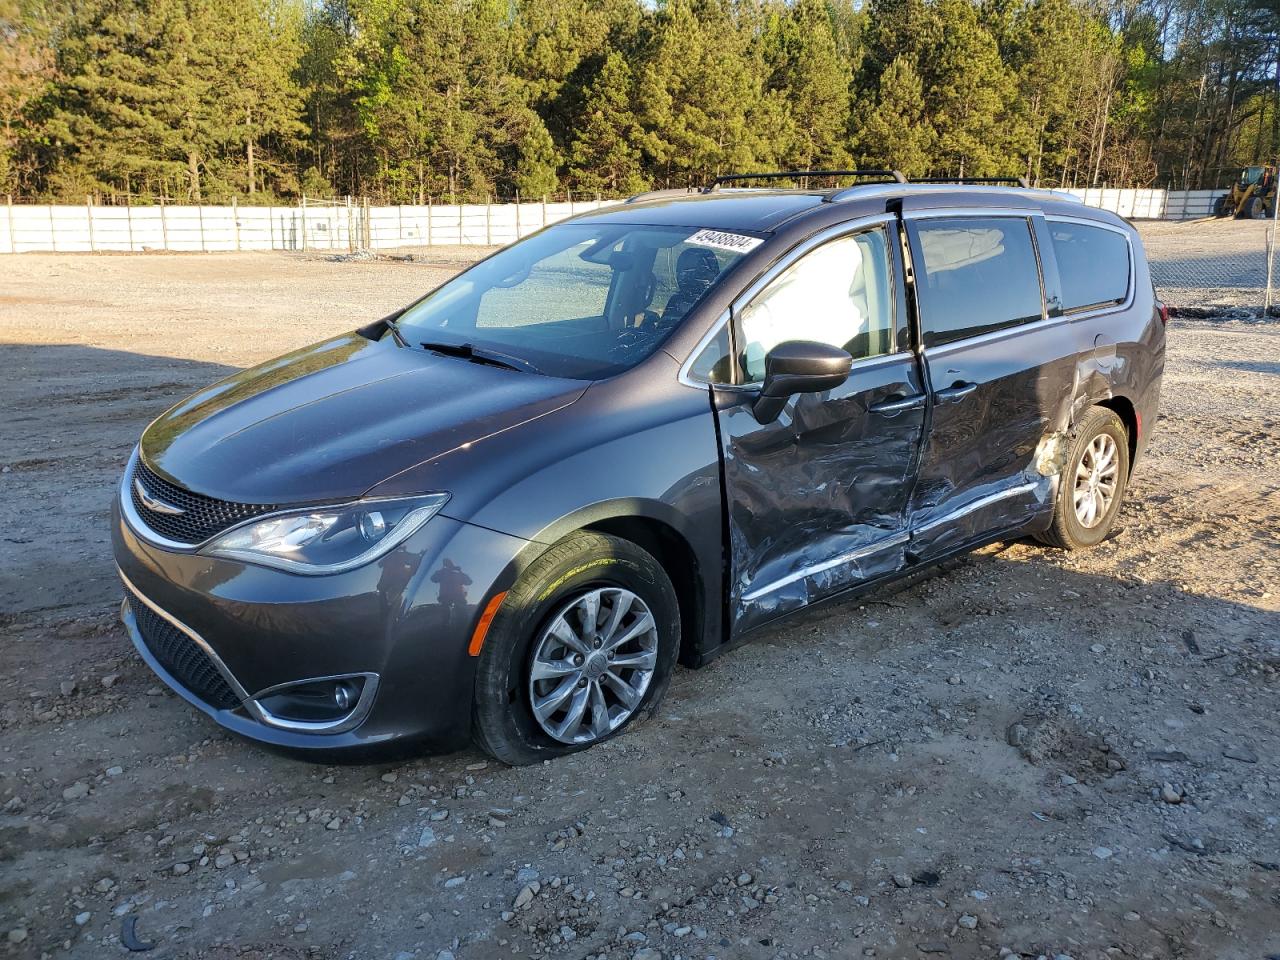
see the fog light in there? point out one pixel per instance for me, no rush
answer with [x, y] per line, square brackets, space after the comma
[312, 701]
[344, 695]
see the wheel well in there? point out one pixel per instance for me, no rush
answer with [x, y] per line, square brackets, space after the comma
[675, 555]
[1123, 409]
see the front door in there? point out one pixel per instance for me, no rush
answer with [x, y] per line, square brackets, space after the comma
[816, 500]
[1001, 369]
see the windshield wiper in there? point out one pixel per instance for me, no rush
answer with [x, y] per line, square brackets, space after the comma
[493, 358]
[394, 327]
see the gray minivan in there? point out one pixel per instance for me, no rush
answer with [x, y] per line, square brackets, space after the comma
[506, 511]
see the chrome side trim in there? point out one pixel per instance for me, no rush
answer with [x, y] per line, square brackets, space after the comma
[199, 641]
[352, 719]
[779, 265]
[842, 559]
[992, 336]
[978, 504]
[1088, 222]
[946, 213]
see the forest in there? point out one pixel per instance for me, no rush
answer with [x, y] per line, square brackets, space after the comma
[405, 101]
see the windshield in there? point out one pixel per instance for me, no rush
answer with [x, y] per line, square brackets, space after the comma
[1250, 175]
[580, 300]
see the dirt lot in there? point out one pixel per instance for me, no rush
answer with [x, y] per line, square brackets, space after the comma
[1210, 267]
[1033, 752]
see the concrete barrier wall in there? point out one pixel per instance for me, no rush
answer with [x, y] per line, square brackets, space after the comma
[25, 227]
[1151, 204]
[341, 228]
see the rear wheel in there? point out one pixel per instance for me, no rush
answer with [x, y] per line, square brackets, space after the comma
[1222, 206]
[1092, 484]
[581, 648]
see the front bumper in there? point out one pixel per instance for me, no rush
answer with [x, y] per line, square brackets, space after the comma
[401, 623]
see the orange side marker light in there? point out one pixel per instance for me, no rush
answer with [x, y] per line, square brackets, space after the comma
[486, 618]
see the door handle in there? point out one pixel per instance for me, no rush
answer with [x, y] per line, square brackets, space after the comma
[956, 393]
[896, 403]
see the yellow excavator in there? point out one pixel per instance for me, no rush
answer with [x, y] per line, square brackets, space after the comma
[1252, 196]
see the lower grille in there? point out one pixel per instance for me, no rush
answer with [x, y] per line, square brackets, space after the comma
[181, 656]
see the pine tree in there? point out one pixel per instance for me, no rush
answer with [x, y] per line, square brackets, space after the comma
[892, 127]
[893, 29]
[1045, 43]
[208, 99]
[25, 70]
[336, 135]
[130, 111]
[806, 69]
[604, 154]
[437, 102]
[971, 97]
[537, 159]
[700, 95]
[256, 46]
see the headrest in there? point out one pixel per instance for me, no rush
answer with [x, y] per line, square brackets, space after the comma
[696, 269]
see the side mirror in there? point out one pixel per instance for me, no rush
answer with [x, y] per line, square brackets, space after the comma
[799, 366]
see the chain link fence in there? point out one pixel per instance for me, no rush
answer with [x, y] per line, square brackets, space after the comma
[1213, 268]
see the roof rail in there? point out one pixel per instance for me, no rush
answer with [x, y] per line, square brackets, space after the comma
[886, 176]
[1016, 181]
[658, 194]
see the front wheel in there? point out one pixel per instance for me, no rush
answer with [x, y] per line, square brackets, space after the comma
[1254, 209]
[580, 649]
[1092, 484]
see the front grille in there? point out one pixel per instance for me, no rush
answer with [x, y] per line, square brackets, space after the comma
[202, 516]
[181, 656]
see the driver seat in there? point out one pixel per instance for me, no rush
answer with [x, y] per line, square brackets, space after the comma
[696, 270]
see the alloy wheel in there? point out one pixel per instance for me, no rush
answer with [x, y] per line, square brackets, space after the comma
[1097, 475]
[592, 665]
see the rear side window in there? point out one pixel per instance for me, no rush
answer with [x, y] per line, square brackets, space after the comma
[978, 275]
[1093, 264]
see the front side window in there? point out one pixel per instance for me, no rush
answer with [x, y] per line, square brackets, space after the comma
[1093, 265]
[976, 276]
[839, 294]
[579, 300]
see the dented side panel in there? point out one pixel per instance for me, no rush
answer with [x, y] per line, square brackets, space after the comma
[984, 464]
[816, 500]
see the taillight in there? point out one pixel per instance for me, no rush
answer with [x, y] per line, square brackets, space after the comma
[1162, 310]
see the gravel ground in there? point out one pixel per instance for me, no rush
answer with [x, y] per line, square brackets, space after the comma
[1210, 267]
[1029, 753]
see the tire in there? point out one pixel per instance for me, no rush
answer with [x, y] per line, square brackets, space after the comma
[556, 592]
[1099, 428]
[1254, 209]
[1221, 206]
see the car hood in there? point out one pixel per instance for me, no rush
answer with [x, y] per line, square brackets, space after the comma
[334, 419]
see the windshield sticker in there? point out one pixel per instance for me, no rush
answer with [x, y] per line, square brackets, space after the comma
[719, 240]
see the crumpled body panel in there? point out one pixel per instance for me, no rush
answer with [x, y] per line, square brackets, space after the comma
[980, 469]
[817, 498]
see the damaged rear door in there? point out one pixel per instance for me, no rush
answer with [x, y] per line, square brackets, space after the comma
[1001, 366]
[816, 499]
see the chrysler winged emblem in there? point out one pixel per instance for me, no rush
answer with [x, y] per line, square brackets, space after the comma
[154, 503]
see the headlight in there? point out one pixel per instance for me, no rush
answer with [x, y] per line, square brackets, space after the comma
[328, 539]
